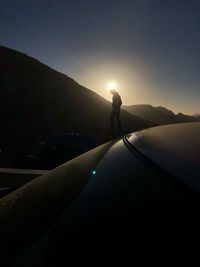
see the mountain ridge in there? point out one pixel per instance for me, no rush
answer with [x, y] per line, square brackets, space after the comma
[159, 115]
[37, 102]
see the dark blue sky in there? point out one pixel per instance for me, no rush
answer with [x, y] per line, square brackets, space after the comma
[151, 48]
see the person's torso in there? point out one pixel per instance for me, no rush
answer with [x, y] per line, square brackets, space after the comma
[117, 101]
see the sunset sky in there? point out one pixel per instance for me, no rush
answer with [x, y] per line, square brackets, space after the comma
[150, 48]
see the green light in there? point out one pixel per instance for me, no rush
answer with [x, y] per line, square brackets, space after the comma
[94, 172]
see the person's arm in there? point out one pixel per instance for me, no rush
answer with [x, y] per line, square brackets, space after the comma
[120, 101]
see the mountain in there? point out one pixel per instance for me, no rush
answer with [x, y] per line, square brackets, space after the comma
[196, 115]
[159, 115]
[37, 102]
[186, 118]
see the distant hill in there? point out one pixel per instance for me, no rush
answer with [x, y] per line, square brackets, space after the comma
[196, 115]
[159, 115]
[37, 102]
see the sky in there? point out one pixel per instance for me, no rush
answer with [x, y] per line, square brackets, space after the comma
[150, 48]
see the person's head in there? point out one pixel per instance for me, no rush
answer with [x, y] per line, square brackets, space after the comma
[113, 91]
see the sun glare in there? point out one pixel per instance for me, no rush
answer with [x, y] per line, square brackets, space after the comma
[112, 86]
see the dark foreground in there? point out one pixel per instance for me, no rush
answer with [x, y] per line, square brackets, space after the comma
[132, 211]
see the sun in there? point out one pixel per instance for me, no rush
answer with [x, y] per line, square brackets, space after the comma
[112, 86]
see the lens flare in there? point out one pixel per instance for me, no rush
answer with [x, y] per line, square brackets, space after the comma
[112, 86]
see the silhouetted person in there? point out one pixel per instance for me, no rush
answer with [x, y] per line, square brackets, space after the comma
[115, 114]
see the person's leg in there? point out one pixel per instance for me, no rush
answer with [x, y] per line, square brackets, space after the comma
[118, 121]
[112, 120]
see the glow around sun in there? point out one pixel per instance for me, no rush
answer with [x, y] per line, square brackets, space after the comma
[112, 85]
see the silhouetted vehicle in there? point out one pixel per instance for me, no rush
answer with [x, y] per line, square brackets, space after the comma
[130, 202]
[57, 150]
